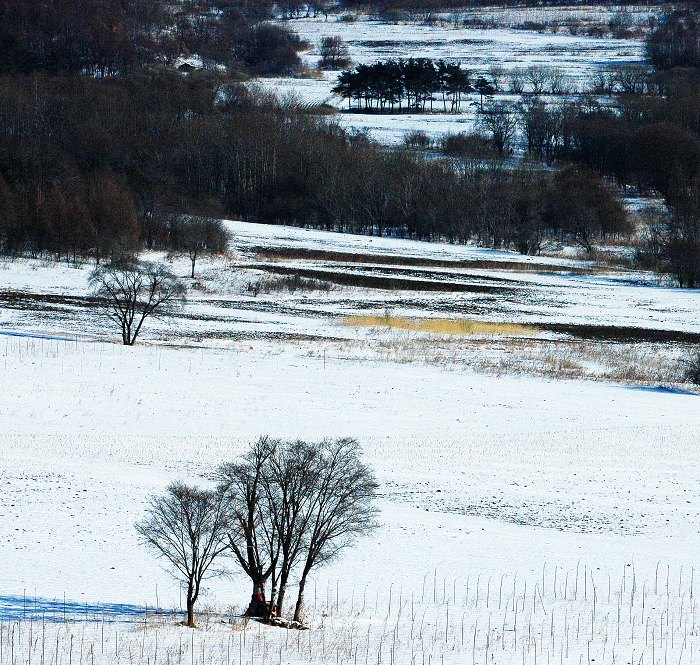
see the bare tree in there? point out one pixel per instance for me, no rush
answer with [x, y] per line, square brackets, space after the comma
[334, 53]
[252, 538]
[558, 81]
[537, 77]
[498, 74]
[187, 527]
[602, 83]
[290, 485]
[517, 81]
[501, 121]
[343, 506]
[196, 236]
[632, 79]
[129, 291]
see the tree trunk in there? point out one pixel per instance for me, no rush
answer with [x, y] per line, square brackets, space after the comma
[280, 595]
[190, 605]
[257, 607]
[271, 603]
[300, 598]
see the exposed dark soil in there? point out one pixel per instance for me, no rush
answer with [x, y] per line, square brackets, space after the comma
[620, 333]
[47, 301]
[66, 306]
[282, 253]
[380, 281]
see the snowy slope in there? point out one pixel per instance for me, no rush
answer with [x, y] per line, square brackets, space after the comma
[523, 518]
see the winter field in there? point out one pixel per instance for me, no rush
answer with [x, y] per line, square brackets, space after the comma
[478, 49]
[537, 455]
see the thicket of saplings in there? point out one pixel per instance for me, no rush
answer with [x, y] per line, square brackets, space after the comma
[277, 513]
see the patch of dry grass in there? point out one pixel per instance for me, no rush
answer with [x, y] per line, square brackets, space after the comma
[442, 326]
[624, 363]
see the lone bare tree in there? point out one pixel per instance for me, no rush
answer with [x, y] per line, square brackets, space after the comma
[187, 527]
[197, 236]
[129, 291]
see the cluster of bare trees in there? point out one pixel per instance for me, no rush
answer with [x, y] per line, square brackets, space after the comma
[94, 37]
[670, 241]
[93, 119]
[676, 41]
[277, 512]
[648, 137]
[68, 218]
[628, 79]
[334, 53]
[650, 142]
[95, 168]
[306, 8]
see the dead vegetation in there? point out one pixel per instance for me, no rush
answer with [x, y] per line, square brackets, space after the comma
[498, 352]
[442, 326]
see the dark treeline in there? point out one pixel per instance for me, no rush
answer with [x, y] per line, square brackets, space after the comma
[648, 138]
[103, 38]
[650, 142]
[676, 42]
[99, 157]
[94, 122]
[437, 5]
[93, 167]
[384, 85]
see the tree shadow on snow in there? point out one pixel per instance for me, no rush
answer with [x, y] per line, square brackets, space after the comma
[670, 390]
[25, 608]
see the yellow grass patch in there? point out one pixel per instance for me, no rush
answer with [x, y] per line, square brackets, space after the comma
[441, 326]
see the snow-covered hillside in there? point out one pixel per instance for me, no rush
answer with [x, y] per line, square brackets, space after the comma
[523, 518]
[578, 56]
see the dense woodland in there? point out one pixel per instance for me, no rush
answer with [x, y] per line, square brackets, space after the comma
[105, 143]
[102, 38]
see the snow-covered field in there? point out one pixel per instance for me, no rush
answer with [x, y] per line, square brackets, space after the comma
[524, 519]
[369, 40]
[464, 281]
